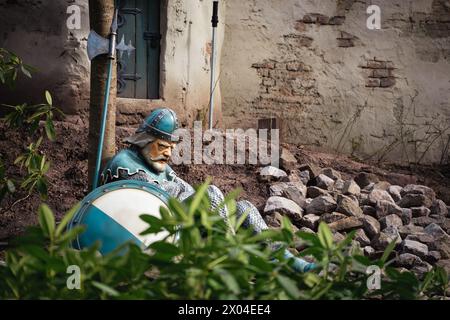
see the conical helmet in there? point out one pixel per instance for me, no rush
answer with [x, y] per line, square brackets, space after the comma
[161, 123]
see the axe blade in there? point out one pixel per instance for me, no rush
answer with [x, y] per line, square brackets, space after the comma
[96, 45]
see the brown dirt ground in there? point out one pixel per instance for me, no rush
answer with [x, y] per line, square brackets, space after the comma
[68, 173]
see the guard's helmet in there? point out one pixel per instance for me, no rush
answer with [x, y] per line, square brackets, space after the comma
[161, 123]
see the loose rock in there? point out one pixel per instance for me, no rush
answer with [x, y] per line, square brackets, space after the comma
[351, 187]
[314, 192]
[419, 189]
[368, 251]
[408, 260]
[338, 237]
[304, 177]
[271, 173]
[414, 200]
[391, 220]
[384, 208]
[324, 182]
[362, 238]
[435, 231]
[406, 216]
[346, 224]
[385, 237]
[348, 206]
[364, 178]
[377, 195]
[382, 185]
[369, 210]
[338, 185]
[331, 173]
[287, 160]
[283, 205]
[332, 217]
[439, 208]
[421, 237]
[313, 170]
[423, 221]
[310, 221]
[420, 212]
[371, 226]
[415, 248]
[394, 191]
[320, 205]
[409, 230]
[433, 257]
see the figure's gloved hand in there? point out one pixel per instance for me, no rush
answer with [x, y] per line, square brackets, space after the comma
[299, 264]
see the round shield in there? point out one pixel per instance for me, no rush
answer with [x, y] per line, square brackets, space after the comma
[111, 213]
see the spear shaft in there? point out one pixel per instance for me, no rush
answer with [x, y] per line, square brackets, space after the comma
[111, 57]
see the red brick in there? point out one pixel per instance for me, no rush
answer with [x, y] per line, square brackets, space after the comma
[372, 82]
[389, 65]
[376, 64]
[308, 19]
[387, 82]
[336, 20]
[345, 43]
[380, 73]
[322, 19]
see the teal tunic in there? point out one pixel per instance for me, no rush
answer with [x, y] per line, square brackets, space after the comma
[130, 162]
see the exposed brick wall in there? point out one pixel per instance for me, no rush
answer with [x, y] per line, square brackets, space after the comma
[285, 85]
[346, 40]
[322, 19]
[335, 83]
[380, 73]
[435, 24]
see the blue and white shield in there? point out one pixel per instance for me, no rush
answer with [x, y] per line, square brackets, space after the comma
[111, 213]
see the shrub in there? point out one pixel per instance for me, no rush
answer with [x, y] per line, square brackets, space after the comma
[201, 258]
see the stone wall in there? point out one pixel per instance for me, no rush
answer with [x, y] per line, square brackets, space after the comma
[36, 30]
[380, 94]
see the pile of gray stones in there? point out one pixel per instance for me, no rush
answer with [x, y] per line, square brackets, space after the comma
[410, 215]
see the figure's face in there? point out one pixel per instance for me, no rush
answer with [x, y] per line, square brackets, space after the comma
[158, 153]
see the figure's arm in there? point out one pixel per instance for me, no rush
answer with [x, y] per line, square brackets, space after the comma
[178, 188]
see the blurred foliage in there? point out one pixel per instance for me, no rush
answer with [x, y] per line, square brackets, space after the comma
[200, 258]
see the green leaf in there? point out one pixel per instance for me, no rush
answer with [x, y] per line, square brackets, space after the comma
[105, 288]
[289, 286]
[50, 129]
[46, 167]
[25, 71]
[48, 97]
[229, 280]
[154, 222]
[325, 235]
[11, 186]
[66, 219]
[47, 220]
[269, 234]
[387, 252]
[166, 248]
[199, 195]
[41, 186]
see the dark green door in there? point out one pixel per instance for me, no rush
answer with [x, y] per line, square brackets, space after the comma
[138, 72]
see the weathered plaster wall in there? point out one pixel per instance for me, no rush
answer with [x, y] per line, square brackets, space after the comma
[36, 30]
[336, 84]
